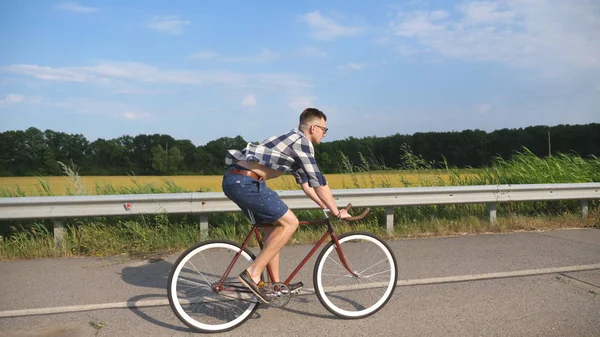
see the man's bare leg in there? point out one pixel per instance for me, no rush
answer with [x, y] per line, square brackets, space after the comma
[274, 263]
[281, 234]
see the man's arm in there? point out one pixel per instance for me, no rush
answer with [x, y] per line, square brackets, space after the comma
[324, 198]
[324, 193]
[314, 179]
[310, 192]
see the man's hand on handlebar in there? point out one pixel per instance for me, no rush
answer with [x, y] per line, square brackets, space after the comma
[343, 214]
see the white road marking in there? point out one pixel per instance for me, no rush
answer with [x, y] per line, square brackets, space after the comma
[400, 283]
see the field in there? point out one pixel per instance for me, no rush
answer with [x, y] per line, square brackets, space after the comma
[60, 185]
[145, 235]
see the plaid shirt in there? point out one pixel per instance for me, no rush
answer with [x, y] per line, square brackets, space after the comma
[290, 152]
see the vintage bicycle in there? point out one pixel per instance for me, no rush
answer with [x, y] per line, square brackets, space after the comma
[354, 276]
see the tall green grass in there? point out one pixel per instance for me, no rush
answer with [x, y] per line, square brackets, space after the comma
[526, 168]
[141, 235]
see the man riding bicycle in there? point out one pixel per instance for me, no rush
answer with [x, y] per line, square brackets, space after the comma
[244, 183]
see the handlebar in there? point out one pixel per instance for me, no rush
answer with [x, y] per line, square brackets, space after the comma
[357, 217]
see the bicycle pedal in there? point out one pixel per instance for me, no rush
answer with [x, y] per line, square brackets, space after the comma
[296, 288]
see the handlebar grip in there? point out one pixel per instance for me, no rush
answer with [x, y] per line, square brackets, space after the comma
[358, 217]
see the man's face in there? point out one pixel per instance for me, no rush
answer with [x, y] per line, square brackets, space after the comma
[317, 131]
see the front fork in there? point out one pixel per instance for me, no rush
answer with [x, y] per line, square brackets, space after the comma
[340, 252]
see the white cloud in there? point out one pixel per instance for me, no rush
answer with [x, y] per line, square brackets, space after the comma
[134, 115]
[415, 24]
[77, 8]
[351, 66]
[168, 24]
[325, 28]
[407, 51]
[13, 98]
[264, 56]
[486, 12]
[299, 103]
[204, 55]
[51, 74]
[314, 52]
[249, 100]
[105, 108]
[552, 37]
[484, 108]
[131, 72]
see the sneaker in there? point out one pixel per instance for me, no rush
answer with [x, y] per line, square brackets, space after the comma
[258, 291]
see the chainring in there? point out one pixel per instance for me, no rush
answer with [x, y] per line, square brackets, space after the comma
[278, 294]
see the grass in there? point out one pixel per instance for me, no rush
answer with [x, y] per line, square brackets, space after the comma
[161, 233]
[141, 239]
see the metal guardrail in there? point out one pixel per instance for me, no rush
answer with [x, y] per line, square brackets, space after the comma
[63, 207]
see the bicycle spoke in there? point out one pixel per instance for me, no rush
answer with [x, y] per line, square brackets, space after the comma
[199, 273]
[206, 263]
[373, 266]
[338, 264]
[379, 273]
[194, 284]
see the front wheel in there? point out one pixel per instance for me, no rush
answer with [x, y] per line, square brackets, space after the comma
[191, 287]
[346, 295]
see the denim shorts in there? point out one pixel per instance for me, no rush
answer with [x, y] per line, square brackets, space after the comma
[254, 196]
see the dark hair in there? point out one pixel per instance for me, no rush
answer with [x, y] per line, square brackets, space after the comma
[311, 113]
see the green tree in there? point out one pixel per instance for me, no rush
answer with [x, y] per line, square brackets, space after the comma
[159, 159]
[175, 159]
[164, 161]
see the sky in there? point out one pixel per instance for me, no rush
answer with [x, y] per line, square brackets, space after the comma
[201, 70]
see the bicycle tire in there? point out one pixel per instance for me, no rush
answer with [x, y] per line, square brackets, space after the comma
[185, 278]
[370, 258]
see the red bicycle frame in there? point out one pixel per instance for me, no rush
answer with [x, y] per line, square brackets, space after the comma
[255, 230]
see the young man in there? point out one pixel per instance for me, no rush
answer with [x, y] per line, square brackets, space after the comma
[244, 184]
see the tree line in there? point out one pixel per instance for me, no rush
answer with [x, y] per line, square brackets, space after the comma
[34, 152]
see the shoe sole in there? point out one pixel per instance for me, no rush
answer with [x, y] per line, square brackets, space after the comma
[259, 296]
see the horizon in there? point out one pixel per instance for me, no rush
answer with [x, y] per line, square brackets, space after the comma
[200, 72]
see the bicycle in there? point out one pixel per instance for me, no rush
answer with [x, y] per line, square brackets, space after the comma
[354, 283]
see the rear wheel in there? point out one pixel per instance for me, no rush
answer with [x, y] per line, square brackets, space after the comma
[349, 296]
[191, 287]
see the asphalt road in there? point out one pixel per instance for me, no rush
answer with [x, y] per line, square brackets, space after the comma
[519, 284]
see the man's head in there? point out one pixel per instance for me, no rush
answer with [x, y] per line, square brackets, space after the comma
[313, 123]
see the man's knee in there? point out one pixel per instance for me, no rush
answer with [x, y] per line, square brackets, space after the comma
[288, 221]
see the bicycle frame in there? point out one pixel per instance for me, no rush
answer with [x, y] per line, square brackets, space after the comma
[255, 231]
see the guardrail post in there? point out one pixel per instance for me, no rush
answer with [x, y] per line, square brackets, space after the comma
[492, 214]
[389, 219]
[584, 209]
[59, 233]
[203, 225]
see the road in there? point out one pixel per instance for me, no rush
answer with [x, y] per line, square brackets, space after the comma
[517, 284]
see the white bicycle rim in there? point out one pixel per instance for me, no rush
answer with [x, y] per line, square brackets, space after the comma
[389, 287]
[179, 308]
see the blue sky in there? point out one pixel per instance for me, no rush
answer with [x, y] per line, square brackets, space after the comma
[201, 70]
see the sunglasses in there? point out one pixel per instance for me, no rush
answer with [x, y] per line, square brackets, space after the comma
[322, 128]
